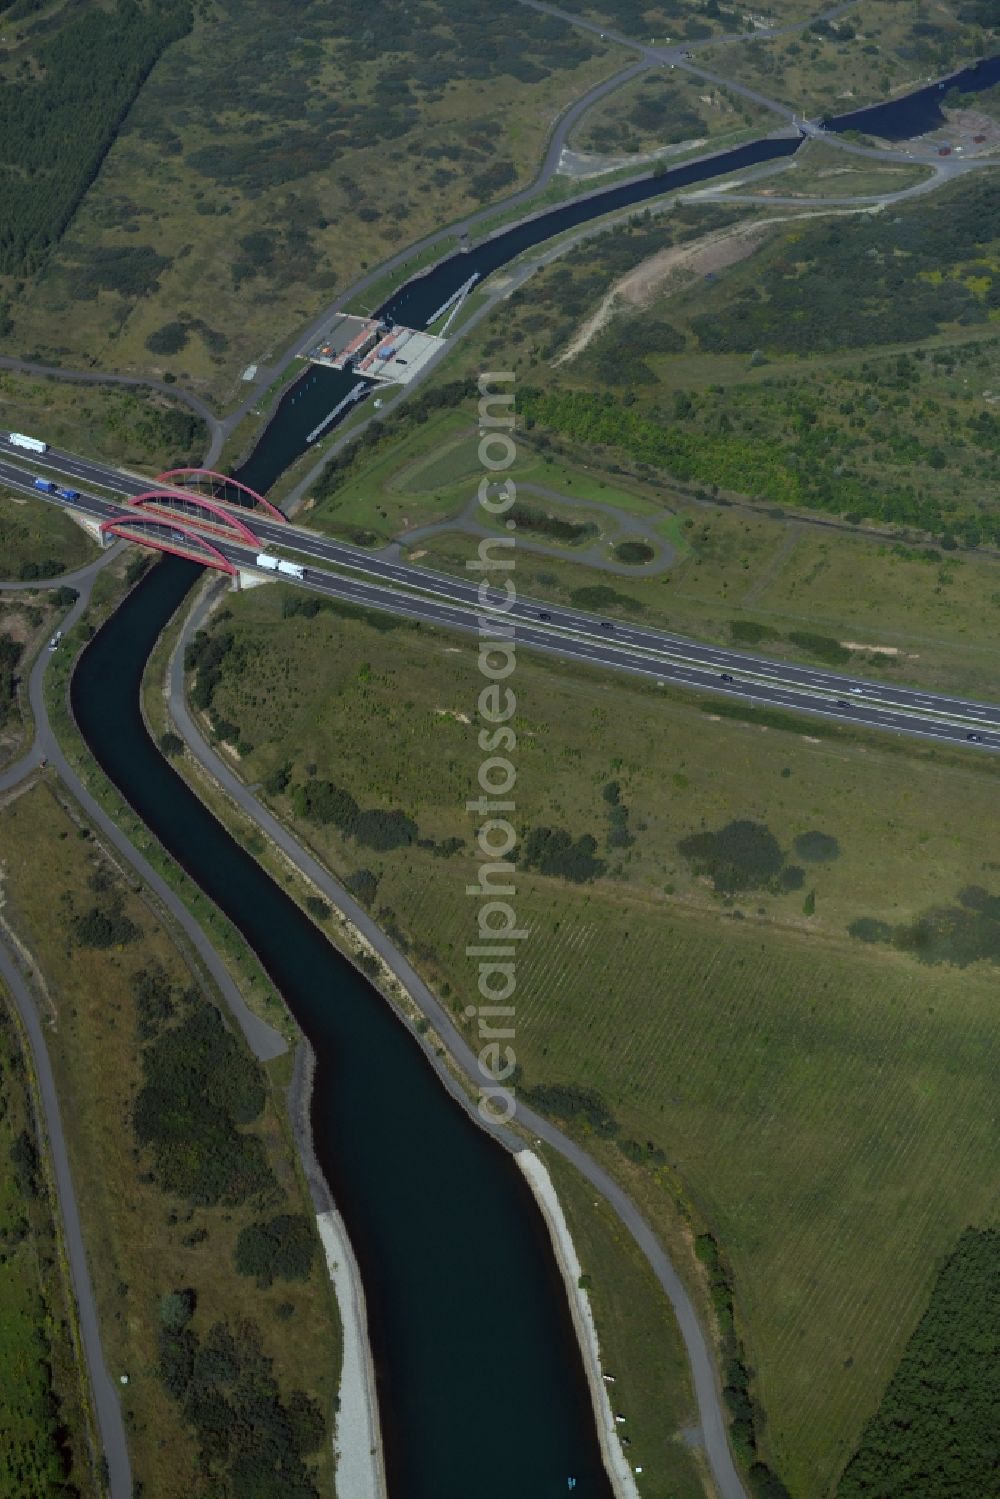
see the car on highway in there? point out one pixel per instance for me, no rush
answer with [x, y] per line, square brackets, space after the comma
[54, 642]
[842, 703]
[606, 624]
[544, 614]
[726, 676]
[975, 738]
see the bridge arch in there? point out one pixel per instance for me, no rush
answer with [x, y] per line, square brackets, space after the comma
[208, 475]
[168, 536]
[163, 499]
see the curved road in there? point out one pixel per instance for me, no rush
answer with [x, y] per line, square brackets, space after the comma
[97, 377]
[711, 1418]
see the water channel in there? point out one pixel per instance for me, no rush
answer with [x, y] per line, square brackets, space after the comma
[480, 1382]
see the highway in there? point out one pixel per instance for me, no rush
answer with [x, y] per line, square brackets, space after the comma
[376, 582]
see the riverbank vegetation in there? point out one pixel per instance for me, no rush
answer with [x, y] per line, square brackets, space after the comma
[695, 1026]
[240, 192]
[45, 1423]
[181, 1153]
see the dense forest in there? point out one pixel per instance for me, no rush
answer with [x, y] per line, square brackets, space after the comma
[58, 120]
[935, 1432]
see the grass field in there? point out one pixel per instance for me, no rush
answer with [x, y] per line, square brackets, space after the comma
[38, 540]
[431, 472]
[729, 1031]
[112, 425]
[44, 1420]
[199, 253]
[143, 1242]
[821, 171]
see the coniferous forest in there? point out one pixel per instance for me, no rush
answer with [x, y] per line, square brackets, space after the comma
[58, 120]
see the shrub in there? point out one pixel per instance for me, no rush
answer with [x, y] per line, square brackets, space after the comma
[817, 848]
[281, 1249]
[554, 852]
[170, 339]
[743, 855]
[171, 744]
[570, 1101]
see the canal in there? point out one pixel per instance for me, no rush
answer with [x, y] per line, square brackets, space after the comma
[481, 1386]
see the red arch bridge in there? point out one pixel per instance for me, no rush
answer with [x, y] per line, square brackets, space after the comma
[177, 515]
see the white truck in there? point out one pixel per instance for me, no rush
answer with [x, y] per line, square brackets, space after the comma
[33, 444]
[269, 564]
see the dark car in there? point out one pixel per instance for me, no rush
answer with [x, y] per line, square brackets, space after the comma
[606, 624]
[544, 614]
[726, 676]
[842, 703]
[976, 738]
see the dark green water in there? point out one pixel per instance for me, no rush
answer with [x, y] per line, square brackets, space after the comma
[481, 1387]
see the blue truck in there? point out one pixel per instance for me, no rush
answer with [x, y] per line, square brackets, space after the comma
[68, 494]
[45, 485]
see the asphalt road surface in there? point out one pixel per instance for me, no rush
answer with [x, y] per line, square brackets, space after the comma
[378, 582]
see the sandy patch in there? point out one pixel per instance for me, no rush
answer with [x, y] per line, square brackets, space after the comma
[415, 556]
[453, 713]
[879, 650]
[357, 1440]
[638, 287]
[622, 1481]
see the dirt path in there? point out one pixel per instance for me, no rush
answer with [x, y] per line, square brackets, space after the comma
[637, 288]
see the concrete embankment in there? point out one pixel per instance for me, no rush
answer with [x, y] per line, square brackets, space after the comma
[621, 1475]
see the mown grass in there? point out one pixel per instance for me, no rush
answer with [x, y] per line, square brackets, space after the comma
[821, 171]
[39, 540]
[143, 1244]
[800, 1085]
[45, 1435]
[430, 472]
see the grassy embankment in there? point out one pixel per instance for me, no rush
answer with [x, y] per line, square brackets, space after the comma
[38, 540]
[166, 1209]
[727, 1043]
[131, 427]
[254, 984]
[198, 253]
[45, 1424]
